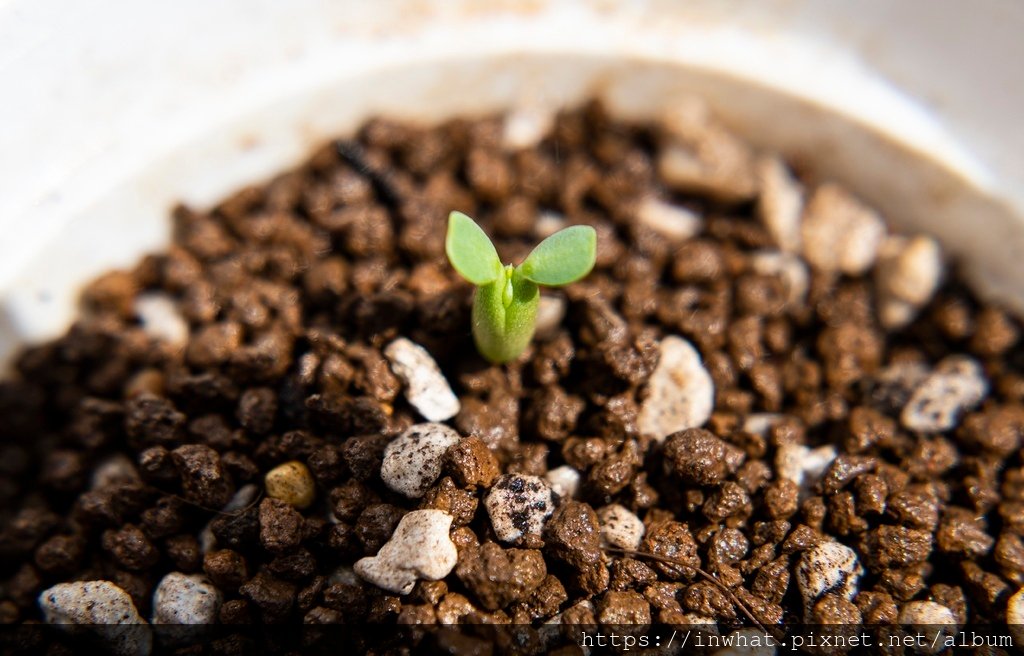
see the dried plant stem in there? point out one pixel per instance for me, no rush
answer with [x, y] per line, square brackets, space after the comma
[707, 575]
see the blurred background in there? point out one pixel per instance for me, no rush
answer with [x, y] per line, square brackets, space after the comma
[114, 110]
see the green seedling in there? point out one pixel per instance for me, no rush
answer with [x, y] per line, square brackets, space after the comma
[507, 296]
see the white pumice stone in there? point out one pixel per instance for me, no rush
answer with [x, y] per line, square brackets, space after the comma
[243, 497]
[115, 470]
[780, 203]
[748, 642]
[1015, 616]
[292, 483]
[420, 548]
[673, 222]
[413, 460]
[1015, 608]
[680, 392]
[548, 223]
[933, 621]
[525, 127]
[759, 423]
[563, 481]
[104, 609]
[957, 384]
[426, 388]
[803, 465]
[185, 599]
[916, 613]
[620, 527]
[789, 268]
[518, 504]
[828, 567]
[910, 269]
[839, 232]
[161, 319]
[550, 313]
[704, 157]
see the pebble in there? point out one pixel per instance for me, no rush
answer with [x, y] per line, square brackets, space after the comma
[840, 233]
[548, 223]
[680, 392]
[957, 384]
[934, 622]
[564, 481]
[620, 527]
[673, 222]
[705, 158]
[907, 275]
[1015, 616]
[115, 470]
[550, 313]
[186, 599]
[780, 203]
[292, 483]
[916, 613]
[910, 268]
[414, 459]
[759, 423]
[518, 505]
[789, 268]
[827, 567]
[105, 608]
[803, 465]
[420, 548]
[426, 388]
[161, 319]
[525, 127]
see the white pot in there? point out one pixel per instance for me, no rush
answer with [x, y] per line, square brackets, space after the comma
[113, 110]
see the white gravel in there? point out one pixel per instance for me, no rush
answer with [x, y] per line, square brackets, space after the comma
[933, 621]
[426, 388]
[161, 319]
[827, 567]
[116, 469]
[673, 222]
[780, 203]
[185, 599]
[550, 313]
[789, 268]
[839, 232]
[563, 481]
[104, 609]
[413, 460]
[957, 384]
[803, 465]
[907, 275]
[420, 548]
[518, 504]
[620, 527]
[680, 392]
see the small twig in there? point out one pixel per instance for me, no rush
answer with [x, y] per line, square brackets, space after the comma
[234, 513]
[707, 575]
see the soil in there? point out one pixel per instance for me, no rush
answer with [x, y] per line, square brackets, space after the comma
[124, 444]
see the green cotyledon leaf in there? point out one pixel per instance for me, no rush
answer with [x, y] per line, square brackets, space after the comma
[562, 258]
[470, 250]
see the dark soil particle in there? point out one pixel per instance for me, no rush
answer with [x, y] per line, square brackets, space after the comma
[124, 458]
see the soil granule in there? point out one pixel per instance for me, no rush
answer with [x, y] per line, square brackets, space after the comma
[846, 407]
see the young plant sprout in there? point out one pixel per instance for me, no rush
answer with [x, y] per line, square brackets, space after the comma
[507, 297]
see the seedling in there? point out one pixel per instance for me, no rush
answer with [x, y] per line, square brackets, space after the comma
[507, 297]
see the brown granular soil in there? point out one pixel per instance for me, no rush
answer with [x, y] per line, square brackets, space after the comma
[120, 451]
